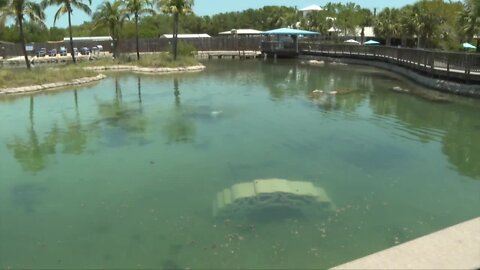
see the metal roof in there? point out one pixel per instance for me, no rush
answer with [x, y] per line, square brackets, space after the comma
[290, 31]
[186, 36]
[242, 32]
[98, 38]
[312, 8]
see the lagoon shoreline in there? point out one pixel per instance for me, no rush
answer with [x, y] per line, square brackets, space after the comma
[85, 80]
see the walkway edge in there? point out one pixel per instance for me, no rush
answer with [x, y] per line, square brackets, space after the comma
[471, 90]
[456, 247]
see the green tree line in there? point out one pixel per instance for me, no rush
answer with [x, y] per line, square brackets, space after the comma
[426, 23]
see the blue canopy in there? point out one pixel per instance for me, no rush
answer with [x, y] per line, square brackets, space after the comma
[290, 31]
[371, 42]
[468, 46]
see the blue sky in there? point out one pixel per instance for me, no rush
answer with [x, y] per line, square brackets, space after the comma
[210, 7]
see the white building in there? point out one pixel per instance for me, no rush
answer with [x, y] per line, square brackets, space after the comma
[312, 8]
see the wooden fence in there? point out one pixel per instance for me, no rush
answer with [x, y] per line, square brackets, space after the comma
[228, 43]
[200, 44]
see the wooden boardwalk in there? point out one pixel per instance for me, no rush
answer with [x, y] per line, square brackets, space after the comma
[460, 67]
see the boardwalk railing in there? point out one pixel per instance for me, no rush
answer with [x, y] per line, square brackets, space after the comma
[464, 67]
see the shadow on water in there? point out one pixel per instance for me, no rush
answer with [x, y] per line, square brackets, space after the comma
[274, 214]
[28, 196]
[170, 264]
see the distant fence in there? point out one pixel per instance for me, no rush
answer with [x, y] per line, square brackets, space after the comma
[464, 67]
[228, 43]
[200, 44]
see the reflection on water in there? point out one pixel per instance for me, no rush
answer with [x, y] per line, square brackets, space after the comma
[124, 172]
[178, 128]
[32, 152]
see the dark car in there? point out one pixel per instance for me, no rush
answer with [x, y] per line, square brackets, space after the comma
[52, 53]
[63, 51]
[84, 50]
[41, 52]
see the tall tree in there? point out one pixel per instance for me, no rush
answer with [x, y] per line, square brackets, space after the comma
[18, 10]
[348, 18]
[175, 8]
[470, 20]
[365, 19]
[387, 24]
[112, 16]
[138, 8]
[66, 6]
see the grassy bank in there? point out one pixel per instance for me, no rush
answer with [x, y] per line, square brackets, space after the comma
[23, 77]
[156, 60]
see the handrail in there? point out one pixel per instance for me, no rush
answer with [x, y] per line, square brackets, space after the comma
[455, 66]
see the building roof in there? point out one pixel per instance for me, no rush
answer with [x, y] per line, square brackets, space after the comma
[334, 29]
[290, 31]
[242, 32]
[312, 8]
[186, 36]
[98, 38]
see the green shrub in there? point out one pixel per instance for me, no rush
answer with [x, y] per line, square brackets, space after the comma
[184, 49]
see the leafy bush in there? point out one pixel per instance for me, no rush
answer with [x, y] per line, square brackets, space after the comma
[184, 49]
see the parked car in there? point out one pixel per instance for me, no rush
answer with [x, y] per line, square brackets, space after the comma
[63, 51]
[41, 52]
[52, 53]
[75, 51]
[84, 50]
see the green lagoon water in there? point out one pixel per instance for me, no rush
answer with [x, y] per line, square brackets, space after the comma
[122, 173]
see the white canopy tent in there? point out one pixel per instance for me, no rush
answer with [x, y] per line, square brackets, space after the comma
[351, 41]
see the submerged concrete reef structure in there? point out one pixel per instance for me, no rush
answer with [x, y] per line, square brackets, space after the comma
[259, 194]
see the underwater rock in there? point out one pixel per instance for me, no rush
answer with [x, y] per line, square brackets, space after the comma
[399, 89]
[344, 91]
[28, 196]
[316, 63]
[215, 113]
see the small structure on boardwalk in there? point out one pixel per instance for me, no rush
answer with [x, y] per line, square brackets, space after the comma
[267, 193]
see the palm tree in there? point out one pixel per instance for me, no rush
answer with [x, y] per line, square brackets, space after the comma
[365, 18]
[176, 8]
[66, 6]
[137, 8]
[18, 10]
[470, 20]
[387, 24]
[112, 16]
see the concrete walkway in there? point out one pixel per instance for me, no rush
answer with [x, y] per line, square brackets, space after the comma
[456, 247]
